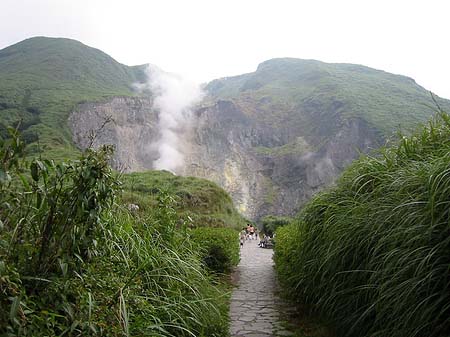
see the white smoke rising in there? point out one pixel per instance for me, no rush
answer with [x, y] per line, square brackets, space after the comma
[174, 99]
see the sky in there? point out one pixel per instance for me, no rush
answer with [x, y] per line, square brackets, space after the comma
[207, 39]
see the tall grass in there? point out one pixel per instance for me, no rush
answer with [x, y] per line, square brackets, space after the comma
[372, 254]
[160, 288]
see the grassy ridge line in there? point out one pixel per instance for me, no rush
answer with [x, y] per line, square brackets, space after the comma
[371, 254]
[42, 79]
[307, 92]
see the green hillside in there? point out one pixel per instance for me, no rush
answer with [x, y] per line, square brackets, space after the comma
[200, 200]
[41, 79]
[315, 97]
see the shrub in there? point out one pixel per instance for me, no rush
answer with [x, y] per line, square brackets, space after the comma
[270, 223]
[287, 249]
[372, 253]
[219, 246]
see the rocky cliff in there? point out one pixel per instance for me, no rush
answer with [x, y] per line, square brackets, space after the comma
[229, 147]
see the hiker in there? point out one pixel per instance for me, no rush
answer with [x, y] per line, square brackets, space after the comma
[266, 240]
[247, 231]
[252, 231]
[262, 242]
[242, 238]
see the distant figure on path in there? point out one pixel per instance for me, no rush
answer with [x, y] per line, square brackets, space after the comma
[252, 232]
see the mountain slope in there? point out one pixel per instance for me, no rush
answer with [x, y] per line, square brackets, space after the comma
[305, 92]
[42, 79]
[272, 138]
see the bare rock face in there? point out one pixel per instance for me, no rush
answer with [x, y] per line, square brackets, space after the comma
[266, 170]
[128, 123]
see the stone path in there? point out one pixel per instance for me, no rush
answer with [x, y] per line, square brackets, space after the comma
[255, 309]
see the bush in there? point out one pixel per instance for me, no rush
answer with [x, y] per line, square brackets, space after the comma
[286, 250]
[372, 253]
[270, 223]
[219, 246]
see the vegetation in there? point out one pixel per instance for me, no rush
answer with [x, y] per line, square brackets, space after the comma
[270, 223]
[73, 262]
[42, 79]
[219, 246]
[200, 202]
[371, 254]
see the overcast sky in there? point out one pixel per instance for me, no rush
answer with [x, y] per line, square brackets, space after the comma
[207, 39]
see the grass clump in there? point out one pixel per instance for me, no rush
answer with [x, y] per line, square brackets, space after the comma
[371, 254]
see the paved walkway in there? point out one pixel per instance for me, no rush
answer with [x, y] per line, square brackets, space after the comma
[255, 308]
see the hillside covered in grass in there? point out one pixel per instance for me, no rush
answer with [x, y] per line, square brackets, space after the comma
[41, 81]
[200, 202]
[371, 255]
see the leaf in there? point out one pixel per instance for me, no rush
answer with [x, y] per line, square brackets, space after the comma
[14, 308]
[38, 199]
[34, 168]
[24, 182]
[64, 267]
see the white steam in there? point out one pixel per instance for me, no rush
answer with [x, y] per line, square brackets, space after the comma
[174, 97]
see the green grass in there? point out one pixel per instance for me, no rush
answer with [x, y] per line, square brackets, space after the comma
[371, 254]
[219, 247]
[201, 202]
[270, 223]
[298, 147]
[41, 81]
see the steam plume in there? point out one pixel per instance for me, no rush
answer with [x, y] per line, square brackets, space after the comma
[174, 98]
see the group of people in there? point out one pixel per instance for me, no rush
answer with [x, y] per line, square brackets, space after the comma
[248, 233]
[266, 241]
[251, 233]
